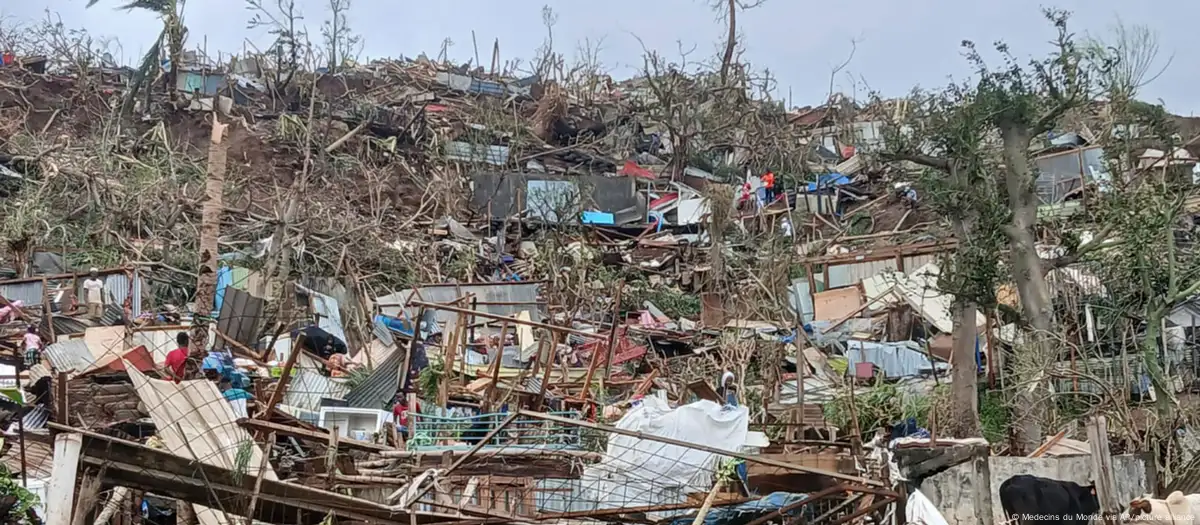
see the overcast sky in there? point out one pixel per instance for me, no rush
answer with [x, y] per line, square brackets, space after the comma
[900, 43]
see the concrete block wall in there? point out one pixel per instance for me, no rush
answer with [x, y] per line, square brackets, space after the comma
[957, 491]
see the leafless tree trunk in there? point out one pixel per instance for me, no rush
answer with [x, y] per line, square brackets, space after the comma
[730, 41]
[210, 229]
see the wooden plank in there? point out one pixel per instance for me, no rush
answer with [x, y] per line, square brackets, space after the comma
[1102, 472]
[60, 495]
[704, 391]
[139, 467]
[285, 378]
[837, 303]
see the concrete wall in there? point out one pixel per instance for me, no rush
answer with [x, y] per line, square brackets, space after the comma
[952, 491]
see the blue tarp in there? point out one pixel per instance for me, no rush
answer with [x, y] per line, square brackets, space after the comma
[827, 181]
[224, 279]
[747, 512]
[598, 217]
[896, 359]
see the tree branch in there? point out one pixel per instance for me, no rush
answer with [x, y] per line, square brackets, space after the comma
[1101, 240]
[916, 158]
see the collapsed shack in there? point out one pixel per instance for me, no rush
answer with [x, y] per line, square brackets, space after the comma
[583, 319]
[504, 434]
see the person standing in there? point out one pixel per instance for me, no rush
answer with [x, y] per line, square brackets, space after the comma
[768, 181]
[33, 347]
[177, 359]
[93, 289]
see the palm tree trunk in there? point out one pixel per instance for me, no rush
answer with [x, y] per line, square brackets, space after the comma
[210, 229]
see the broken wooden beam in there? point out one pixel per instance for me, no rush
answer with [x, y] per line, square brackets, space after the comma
[140, 467]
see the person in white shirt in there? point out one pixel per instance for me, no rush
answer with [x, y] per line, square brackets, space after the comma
[93, 289]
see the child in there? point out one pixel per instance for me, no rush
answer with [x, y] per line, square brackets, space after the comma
[33, 347]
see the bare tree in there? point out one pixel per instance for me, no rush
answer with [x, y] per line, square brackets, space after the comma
[1127, 58]
[340, 41]
[727, 12]
[282, 20]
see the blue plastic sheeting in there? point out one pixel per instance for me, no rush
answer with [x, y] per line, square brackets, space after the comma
[828, 180]
[899, 359]
[224, 279]
[598, 217]
[747, 512]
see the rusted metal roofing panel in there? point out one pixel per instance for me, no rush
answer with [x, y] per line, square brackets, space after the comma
[241, 316]
[39, 458]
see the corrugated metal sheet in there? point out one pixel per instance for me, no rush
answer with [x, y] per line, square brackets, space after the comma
[381, 386]
[514, 296]
[1187, 480]
[36, 419]
[913, 262]
[30, 293]
[241, 316]
[69, 355]
[308, 386]
[329, 315]
[195, 421]
[39, 459]
[64, 325]
[851, 274]
[158, 342]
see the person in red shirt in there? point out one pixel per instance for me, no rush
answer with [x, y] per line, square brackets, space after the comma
[177, 359]
[400, 412]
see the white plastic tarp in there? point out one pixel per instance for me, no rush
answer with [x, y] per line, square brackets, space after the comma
[920, 511]
[636, 472]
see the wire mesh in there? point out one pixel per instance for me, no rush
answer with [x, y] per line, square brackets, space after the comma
[220, 449]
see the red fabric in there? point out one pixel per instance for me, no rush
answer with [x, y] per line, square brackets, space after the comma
[769, 180]
[176, 361]
[632, 169]
[139, 357]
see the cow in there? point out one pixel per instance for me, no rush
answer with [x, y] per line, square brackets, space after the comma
[1176, 509]
[1029, 499]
